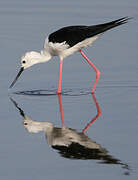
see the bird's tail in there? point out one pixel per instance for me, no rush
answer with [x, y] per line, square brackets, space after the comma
[101, 28]
[117, 22]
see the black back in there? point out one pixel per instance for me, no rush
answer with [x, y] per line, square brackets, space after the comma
[75, 34]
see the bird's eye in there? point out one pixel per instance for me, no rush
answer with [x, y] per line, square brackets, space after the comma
[23, 62]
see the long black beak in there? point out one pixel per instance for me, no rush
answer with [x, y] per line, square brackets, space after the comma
[18, 75]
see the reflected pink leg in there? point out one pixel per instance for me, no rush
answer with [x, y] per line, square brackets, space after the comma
[94, 119]
[60, 76]
[61, 110]
[96, 70]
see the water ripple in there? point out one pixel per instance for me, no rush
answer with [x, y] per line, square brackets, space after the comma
[53, 92]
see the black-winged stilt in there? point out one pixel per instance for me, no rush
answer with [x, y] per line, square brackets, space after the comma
[65, 42]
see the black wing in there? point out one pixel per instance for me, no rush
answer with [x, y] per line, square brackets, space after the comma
[75, 34]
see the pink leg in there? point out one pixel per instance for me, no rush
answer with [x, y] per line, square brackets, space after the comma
[60, 77]
[96, 70]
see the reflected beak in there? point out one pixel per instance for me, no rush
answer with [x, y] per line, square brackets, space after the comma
[18, 75]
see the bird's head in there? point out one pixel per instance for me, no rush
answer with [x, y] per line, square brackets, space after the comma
[28, 60]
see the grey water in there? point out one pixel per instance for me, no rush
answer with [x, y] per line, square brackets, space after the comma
[25, 149]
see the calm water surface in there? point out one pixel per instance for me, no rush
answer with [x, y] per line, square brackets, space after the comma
[26, 149]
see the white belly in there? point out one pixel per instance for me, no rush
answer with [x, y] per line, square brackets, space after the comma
[63, 49]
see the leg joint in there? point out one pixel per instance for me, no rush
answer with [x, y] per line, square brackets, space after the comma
[98, 73]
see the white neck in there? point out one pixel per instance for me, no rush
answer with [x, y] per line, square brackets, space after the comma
[44, 56]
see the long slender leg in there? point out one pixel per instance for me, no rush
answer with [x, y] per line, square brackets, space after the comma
[60, 76]
[96, 70]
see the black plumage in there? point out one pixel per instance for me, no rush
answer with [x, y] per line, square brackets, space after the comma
[75, 34]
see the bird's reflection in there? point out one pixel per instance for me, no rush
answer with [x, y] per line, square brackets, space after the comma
[70, 143]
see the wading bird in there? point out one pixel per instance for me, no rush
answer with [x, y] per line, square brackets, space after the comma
[65, 42]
